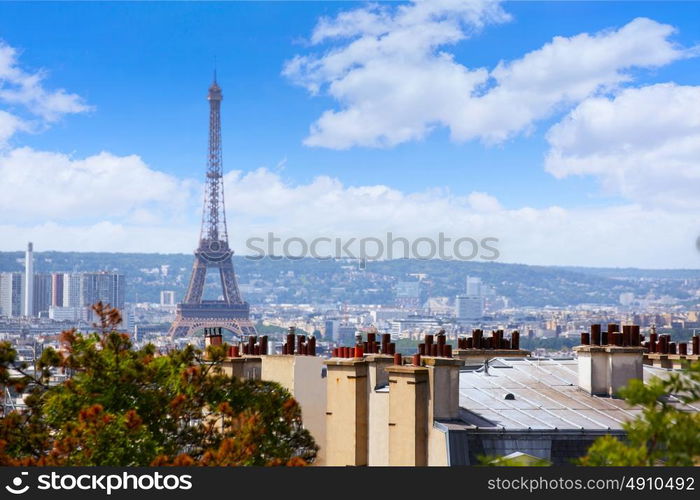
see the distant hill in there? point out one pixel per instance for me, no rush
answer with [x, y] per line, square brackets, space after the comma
[634, 273]
[332, 281]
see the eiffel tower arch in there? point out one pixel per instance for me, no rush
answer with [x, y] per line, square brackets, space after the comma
[213, 252]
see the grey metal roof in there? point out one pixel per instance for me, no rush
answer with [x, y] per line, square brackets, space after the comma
[546, 398]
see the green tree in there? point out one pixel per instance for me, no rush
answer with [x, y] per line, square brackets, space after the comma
[664, 433]
[126, 406]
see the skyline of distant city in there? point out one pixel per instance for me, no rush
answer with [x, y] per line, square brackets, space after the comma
[337, 301]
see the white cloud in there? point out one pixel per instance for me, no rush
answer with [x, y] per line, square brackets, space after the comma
[483, 202]
[29, 104]
[387, 69]
[387, 72]
[563, 72]
[103, 236]
[643, 144]
[628, 235]
[9, 125]
[56, 186]
[262, 201]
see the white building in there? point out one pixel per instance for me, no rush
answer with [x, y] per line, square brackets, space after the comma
[11, 294]
[474, 286]
[71, 290]
[386, 314]
[28, 309]
[167, 298]
[470, 306]
[414, 324]
[68, 313]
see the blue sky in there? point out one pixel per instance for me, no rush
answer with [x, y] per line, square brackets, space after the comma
[140, 72]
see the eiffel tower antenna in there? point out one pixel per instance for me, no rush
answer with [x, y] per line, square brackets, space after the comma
[230, 312]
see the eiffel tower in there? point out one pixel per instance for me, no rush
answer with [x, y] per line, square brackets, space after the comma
[230, 313]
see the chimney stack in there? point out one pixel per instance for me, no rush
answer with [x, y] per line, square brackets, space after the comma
[603, 369]
[347, 412]
[443, 378]
[409, 395]
[304, 377]
[419, 394]
[663, 353]
[213, 336]
[295, 344]
[476, 349]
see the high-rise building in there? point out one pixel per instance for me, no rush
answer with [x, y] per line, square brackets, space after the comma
[128, 317]
[474, 286]
[28, 309]
[103, 286]
[57, 289]
[331, 325]
[469, 307]
[11, 296]
[72, 295]
[42, 294]
[50, 293]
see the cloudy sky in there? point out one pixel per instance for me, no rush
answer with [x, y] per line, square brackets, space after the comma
[569, 131]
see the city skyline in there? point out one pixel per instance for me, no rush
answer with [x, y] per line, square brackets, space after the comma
[593, 163]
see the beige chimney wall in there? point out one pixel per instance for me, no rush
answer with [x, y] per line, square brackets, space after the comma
[347, 414]
[378, 363]
[409, 393]
[301, 376]
[593, 372]
[378, 446]
[443, 376]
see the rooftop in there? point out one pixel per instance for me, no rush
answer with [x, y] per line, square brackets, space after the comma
[519, 394]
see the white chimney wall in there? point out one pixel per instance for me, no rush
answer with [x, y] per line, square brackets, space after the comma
[604, 370]
[625, 364]
[593, 369]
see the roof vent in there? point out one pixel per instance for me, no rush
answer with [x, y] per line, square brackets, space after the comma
[510, 396]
